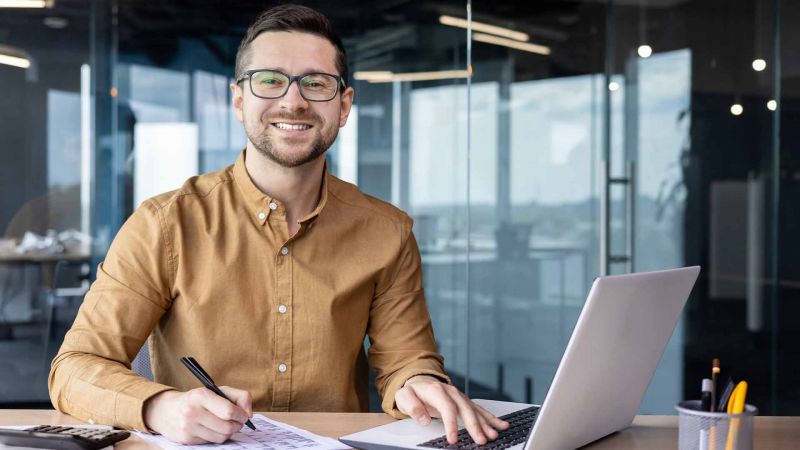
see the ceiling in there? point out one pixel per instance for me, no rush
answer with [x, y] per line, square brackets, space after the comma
[404, 35]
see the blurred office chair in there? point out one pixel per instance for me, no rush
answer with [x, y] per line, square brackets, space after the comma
[61, 302]
[141, 363]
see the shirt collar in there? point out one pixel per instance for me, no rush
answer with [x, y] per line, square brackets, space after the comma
[258, 203]
[323, 197]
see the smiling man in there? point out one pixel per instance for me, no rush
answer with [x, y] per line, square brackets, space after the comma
[270, 273]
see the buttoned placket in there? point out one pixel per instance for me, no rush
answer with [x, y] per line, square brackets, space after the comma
[273, 216]
[282, 303]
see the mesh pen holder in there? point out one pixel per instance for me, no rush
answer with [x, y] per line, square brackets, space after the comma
[703, 430]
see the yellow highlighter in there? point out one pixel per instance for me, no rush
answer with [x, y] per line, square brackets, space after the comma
[736, 406]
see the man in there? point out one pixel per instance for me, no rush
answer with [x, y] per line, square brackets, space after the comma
[270, 273]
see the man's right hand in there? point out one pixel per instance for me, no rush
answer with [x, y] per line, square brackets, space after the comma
[198, 416]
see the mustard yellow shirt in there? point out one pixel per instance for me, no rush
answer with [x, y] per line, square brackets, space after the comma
[210, 271]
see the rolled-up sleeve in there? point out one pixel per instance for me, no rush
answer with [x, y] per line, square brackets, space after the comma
[402, 344]
[91, 377]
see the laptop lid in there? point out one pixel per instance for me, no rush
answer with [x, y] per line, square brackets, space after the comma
[619, 338]
[614, 350]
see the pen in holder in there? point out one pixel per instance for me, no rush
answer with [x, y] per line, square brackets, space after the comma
[703, 430]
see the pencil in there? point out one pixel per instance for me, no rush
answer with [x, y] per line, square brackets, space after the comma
[714, 372]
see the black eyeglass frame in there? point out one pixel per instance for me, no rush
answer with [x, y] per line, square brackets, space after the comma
[249, 75]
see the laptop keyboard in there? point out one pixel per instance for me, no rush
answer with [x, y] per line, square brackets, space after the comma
[520, 423]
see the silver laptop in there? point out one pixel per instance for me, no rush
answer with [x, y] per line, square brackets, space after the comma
[610, 359]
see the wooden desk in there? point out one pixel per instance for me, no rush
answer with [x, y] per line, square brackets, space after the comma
[647, 432]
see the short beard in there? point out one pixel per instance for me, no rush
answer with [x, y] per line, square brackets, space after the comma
[263, 143]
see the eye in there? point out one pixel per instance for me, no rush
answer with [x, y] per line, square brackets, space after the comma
[316, 82]
[269, 79]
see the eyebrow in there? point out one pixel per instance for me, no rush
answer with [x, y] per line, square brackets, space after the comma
[283, 69]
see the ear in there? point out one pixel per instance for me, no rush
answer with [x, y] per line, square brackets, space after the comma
[347, 103]
[237, 99]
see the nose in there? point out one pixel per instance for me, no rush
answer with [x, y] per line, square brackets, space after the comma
[293, 101]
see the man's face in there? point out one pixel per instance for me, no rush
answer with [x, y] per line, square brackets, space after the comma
[291, 130]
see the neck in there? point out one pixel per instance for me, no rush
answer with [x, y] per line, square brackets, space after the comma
[298, 188]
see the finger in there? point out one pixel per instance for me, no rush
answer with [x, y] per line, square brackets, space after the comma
[217, 425]
[436, 397]
[488, 418]
[473, 421]
[488, 431]
[491, 433]
[241, 397]
[409, 404]
[221, 407]
[209, 435]
[494, 421]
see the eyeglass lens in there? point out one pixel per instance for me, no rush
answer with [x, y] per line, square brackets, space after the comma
[271, 84]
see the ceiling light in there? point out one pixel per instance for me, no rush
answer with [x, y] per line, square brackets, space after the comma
[772, 105]
[613, 86]
[56, 23]
[425, 76]
[373, 75]
[484, 27]
[759, 65]
[383, 76]
[15, 61]
[644, 51]
[737, 109]
[23, 4]
[524, 46]
[13, 56]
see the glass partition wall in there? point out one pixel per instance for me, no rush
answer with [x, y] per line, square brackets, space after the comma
[45, 188]
[537, 145]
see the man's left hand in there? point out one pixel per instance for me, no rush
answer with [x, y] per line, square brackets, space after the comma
[423, 397]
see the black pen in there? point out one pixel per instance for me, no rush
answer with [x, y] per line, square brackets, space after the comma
[205, 378]
[723, 399]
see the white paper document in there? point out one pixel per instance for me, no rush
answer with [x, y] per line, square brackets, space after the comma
[269, 435]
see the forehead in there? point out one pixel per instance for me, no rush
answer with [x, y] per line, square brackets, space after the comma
[292, 52]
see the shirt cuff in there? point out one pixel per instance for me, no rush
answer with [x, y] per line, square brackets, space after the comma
[129, 407]
[399, 379]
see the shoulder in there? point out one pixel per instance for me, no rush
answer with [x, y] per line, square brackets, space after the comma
[364, 207]
[197, 188]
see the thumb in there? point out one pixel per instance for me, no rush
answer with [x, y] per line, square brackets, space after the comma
[242, 398]
[411, 405]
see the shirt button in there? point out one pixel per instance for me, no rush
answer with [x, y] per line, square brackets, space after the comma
[282, 309]
[282, 368]
[273, 206]
[284, 251]
[261, 216]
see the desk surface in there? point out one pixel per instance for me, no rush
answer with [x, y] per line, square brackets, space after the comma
[647, 432]
[42, 258]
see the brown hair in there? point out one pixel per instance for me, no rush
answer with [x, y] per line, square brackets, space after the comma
[292, 18]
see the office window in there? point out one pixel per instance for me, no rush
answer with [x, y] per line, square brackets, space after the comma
[610, 138]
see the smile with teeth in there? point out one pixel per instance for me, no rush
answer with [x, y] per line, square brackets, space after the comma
[292, 126]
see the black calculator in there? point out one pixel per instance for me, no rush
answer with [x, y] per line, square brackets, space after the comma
[62, 437]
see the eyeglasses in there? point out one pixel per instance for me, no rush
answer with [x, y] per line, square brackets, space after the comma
[314, 87]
